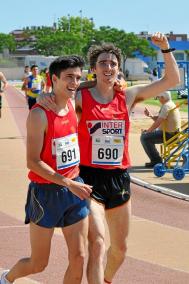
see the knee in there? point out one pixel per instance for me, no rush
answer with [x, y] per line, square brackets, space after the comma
[120, 250]
[39, 266]
[97, 247]
[77, 259]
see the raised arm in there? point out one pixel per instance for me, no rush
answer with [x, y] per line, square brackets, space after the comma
[169, 80]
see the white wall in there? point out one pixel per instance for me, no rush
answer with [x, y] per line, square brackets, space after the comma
[13, 73]
[136, 66]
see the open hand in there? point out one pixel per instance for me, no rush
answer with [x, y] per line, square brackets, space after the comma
[80, 189]
[147, 112]
[120, 85]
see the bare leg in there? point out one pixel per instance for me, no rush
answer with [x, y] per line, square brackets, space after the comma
[40, 239]
[76, 238]
[118, 220]
[95, 269]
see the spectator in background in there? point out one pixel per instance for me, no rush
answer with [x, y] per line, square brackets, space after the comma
[27, 72]
[127, 74]
[168, 119]
[121, 75]
[154, 75]
[48, 84]
[121, 78]
[2, 88]
[90, 75]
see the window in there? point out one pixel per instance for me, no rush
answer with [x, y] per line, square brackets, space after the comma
[179, 56]
[178, 38]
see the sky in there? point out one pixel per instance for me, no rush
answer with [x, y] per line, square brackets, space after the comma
[129, 15]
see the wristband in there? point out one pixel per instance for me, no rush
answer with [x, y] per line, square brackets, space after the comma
[167, 50]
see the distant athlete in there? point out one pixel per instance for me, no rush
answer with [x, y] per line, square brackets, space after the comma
[33, 85]
[3, 85]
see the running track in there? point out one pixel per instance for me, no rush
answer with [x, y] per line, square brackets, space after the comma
[159, 239]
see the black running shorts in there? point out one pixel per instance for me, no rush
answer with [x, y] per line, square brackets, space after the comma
[110, 187]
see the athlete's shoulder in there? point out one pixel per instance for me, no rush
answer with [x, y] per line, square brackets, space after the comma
[37, 120]
[38, 113]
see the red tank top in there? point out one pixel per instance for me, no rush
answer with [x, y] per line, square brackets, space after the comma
[60, 148]
[103, 132]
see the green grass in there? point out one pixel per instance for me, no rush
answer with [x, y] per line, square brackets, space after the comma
[155, 102]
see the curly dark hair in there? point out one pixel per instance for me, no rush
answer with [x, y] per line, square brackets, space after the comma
[96, 50]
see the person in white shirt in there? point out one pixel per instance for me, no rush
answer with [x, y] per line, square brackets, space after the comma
[168, 120]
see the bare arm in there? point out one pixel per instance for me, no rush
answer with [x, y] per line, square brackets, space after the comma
[154, 117]
[25, 84]
[169, 80]
[87, 84]
[36, 127]
[156, 124]
[78, 105]
[4, 80]
[43, 85]
[149, 114]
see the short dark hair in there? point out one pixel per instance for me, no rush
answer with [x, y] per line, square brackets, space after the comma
[96, 50]
[64, 62]
[33, 66]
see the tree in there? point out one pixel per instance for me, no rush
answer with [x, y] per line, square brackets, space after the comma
[76, 25]
[59, 43]
[7, 41]
[80, 27]
[70, 37]
[77, 34]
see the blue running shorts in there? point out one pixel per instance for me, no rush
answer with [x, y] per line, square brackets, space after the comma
[52, 205]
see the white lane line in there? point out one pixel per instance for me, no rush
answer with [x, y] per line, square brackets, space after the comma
[160, 189]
